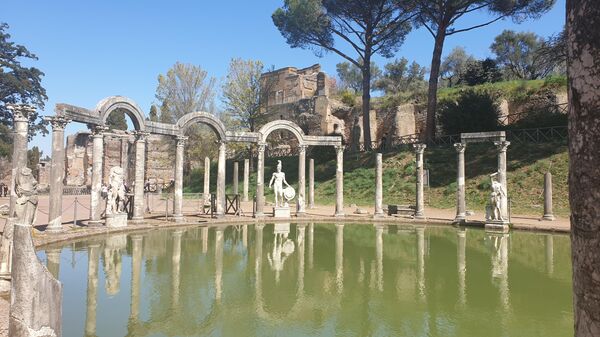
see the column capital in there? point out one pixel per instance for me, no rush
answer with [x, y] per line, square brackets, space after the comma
[181, 140]
[339, 148]
[20, 112]
[99, 130]
[261, 146]
[58, 122]
[140, 136]
[460, 147]
[502, 145]
[419, 147]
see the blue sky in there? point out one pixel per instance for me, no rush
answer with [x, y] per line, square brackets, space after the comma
[93, 49]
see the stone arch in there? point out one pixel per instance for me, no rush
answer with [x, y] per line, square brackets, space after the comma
[292, 127]
[112, 103]
[204, 118]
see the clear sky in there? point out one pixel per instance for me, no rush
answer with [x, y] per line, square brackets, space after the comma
[89, 50]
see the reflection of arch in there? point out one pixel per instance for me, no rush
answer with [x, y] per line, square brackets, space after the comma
[201, 117]
[292, 127]
[112, 103]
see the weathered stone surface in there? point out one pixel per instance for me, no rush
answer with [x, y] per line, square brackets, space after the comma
[548, 213]
[281, 212]
[378, 186]
[116, 220]
[36, 296]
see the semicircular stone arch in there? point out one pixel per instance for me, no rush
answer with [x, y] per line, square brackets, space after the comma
[292, 127]
[203, 118]
[106, 106]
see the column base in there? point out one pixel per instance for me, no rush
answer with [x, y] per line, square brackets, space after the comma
[460, 218]
[497, 227]
[178, 218]
[136, 220]
[420, 216]
[548, 217]
[259, 215]
[54, 230]
[219, 216]
[379, 215]
[339, 215]
[300, 214]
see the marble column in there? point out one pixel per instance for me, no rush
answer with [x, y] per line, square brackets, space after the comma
[236, 178]
[311, 183]
[461, 203]
[21, 114]
[301, 199]
[136, 273]
[219, 263]
[378, 186]
[379, 254]
[462, 264]
[221, 180]
[57, 174]
[140, 166]
[260, 186]
[339, 182]
[92, 290]
[206, 189]
[178, 193]
[548, 213]
[420, 199]
[53, 261]
[176, 268]
[421, 260]
[97, 158]
[246, 178]
[339, 257]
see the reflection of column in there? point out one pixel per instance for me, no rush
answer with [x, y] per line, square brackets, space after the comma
[246, 178]
[176, 266]
[462, 264]
[218, 263]
[339, 182]
[178, 193]
[97, 157]
[311, 241]
[300, 201]
[311, 183]
[53, 256]
[204, 240]
[57, 173]
[501, 147]
[260, 177]
[378, 185]
[206, 189]
[548, 213]
[92, 289]
[19, 158]
[379, 254]
[420, 200]
[461, 204]
[140, 165]
[421, 260]
[549, 243]
[301, 249]
[236, 172]
[339, 257]
[245, 236]
[221, 180]
[258, 261]
[136, 268]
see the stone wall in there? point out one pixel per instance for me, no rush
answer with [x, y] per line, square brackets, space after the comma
[5, 170]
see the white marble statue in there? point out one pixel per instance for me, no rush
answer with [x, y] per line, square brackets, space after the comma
[281, 194]
[495, 211]
[115, 201]
[27, 199]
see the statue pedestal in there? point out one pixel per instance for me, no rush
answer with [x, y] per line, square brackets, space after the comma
[281, 212]
[497, 226]
[116, 220]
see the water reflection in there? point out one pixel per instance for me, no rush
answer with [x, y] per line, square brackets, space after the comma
[195, 280]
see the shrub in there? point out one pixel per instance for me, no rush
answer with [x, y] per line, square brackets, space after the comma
[471, 112]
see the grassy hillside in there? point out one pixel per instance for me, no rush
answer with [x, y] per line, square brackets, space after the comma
[526, 167]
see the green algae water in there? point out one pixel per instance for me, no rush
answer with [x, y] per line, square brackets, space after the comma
[315, 280]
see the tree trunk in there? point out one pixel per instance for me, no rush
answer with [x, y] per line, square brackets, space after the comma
[434, 75]
[583, 41]
[366, 101]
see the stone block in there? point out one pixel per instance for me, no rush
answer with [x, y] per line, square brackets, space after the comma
[281, 212]
[116, 220]
[497, 226]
